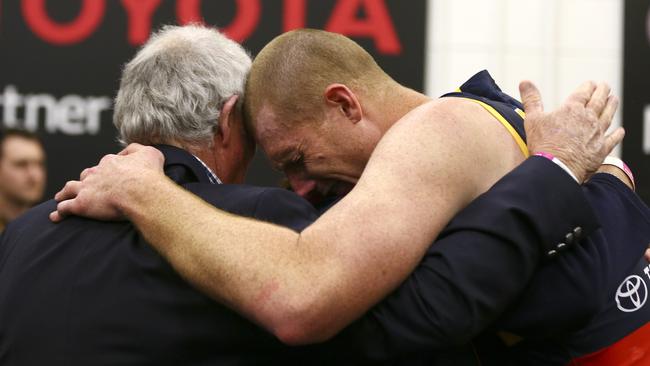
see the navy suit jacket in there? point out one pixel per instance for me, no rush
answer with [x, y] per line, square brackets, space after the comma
[479, 275]
[576, 305]
[84, 292]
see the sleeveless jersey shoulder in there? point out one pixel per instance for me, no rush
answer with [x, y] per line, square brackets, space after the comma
[482, 89]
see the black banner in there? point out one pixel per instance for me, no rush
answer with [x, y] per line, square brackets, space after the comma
[636, 93]
[60, 61]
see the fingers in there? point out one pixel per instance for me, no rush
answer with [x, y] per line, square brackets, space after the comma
[147, 153]
[86, 172]
[599, 99]
[69, 191]
[610, 109]
[67, 194]
[154, 155]
[530, 97]
[647, 255]
[584, 92]
[106, 158]
[63, 209]
[613, 139]
[55, 216]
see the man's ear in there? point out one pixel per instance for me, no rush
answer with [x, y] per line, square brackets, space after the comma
[227, 121]
[341, 97]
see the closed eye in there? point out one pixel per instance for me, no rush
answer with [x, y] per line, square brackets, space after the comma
[297, 159]
[291, 163]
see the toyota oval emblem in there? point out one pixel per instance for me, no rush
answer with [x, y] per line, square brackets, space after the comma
[631, 294]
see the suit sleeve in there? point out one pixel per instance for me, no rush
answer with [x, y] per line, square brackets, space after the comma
[479, 265]
[589, 271]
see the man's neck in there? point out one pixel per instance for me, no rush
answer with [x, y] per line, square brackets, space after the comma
[206, 156]
[394, 105]
[10, 209]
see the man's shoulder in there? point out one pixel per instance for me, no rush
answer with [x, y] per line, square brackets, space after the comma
[34, 217]
[453, 108]
[35, 222]
[455, 138]
[452, 116]
[275, 205]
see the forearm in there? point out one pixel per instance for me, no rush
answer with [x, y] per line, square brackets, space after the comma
[251, 266]
[306, 287]
[303, 288]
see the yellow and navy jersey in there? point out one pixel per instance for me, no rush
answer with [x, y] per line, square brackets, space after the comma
[612, 327]
[482, 89]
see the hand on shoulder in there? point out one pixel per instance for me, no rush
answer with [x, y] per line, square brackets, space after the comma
[103, 190]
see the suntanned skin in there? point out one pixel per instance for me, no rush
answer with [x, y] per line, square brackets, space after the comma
[305, 287]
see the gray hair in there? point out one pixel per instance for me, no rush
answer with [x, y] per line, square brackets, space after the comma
[176, 85]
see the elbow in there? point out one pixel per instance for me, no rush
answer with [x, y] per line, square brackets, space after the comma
[306, 323]
[297, 333]
[309, 310]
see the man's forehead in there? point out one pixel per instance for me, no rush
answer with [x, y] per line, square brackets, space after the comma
[16, 145]
[272, 136]
[265, 124]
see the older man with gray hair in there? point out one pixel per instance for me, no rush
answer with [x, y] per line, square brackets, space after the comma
[184, 88]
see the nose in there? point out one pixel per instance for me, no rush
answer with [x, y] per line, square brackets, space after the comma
[301, 185]
[36, 173]
[35, 169]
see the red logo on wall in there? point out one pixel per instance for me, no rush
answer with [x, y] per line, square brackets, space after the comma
[377, 23]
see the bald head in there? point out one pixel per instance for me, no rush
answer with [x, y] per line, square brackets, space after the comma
[318, 104]
[292, 72]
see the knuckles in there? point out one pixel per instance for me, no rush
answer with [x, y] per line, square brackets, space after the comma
[67, 188]
[87, 172]
[154, 154]
[107, 158]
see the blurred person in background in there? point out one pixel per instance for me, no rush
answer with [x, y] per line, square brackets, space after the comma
[22, 173]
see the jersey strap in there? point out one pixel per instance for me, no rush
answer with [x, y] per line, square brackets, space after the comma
[482, 89]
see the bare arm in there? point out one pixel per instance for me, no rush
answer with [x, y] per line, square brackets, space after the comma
[349, 259]
[305, 287]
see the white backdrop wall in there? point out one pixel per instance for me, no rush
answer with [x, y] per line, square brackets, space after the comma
[556, 43]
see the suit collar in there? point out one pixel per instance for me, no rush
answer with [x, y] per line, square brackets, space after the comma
[181, 166]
